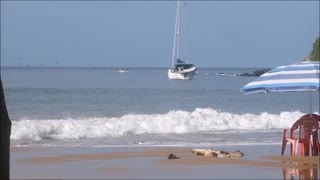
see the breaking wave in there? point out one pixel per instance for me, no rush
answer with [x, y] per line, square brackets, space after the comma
[175, 122]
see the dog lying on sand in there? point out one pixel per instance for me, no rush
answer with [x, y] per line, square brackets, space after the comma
[218, 154]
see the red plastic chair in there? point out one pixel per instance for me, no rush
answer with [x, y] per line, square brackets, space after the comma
[307, 136]
[316, 149]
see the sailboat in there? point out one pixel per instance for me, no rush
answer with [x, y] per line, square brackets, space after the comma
[179, 69]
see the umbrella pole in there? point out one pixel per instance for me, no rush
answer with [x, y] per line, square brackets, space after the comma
[310, 101]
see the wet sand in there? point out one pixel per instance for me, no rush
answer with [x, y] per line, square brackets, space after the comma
[262, 162]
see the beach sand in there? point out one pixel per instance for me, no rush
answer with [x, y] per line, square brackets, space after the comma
[141, 162]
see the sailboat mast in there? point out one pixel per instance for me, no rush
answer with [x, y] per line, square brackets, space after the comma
[176, 35]
[178, 29]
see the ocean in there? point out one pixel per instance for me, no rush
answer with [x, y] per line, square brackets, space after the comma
[99, 107]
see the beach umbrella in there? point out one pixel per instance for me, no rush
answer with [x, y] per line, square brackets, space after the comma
[302, 76]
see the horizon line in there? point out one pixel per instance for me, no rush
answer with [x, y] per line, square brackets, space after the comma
[113, 67]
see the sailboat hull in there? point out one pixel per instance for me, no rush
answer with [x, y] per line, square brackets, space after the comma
[172, 74]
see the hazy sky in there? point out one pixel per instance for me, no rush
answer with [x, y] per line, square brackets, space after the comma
[140, 33]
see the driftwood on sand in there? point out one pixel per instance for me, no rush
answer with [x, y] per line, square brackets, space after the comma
[218, 154]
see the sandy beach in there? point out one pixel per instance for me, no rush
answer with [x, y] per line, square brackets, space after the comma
[259, 162]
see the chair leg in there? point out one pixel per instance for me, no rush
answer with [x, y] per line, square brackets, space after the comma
[284, 144]
[315, 147]
[302, 149]
[312, 146]
[294, 148]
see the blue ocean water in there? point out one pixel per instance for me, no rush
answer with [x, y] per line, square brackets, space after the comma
[100, 107]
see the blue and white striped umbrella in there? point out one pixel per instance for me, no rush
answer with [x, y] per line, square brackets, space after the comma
[303, 76]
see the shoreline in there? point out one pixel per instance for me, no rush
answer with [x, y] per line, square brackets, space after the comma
[152, 162]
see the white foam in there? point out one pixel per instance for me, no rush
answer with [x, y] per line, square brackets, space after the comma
[176, 122]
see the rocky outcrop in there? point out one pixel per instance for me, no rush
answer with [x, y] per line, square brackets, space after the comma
[256, 73]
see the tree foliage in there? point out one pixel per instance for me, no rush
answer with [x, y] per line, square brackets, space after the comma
[315, 53]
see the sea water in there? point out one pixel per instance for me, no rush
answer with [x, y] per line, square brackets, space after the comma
[100, 107]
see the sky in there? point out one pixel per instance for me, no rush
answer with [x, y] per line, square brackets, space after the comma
[140, 33]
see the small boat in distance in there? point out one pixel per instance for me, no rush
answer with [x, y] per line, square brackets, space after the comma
[122, 70]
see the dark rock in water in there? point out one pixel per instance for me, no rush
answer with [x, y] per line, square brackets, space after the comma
[246, 74]
[260, 72]
[256, 73]
[172, 156]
